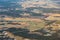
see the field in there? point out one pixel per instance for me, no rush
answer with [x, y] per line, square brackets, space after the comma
[24, 28]
[29, 23]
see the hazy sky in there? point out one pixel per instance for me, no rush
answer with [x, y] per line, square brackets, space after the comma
[25, 3]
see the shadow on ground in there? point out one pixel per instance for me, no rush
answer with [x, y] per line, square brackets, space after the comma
[25, 33]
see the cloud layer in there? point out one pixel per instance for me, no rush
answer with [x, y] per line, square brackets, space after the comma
[40, 3]
[34, 3]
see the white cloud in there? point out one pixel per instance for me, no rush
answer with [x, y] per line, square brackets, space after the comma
[41, 3]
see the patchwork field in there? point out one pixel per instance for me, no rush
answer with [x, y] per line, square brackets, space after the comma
[29, 23]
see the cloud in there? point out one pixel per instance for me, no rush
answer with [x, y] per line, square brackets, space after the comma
[40, 3]
[35, 3]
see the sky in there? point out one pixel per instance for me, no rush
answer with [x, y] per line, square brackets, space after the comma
[24, 4]
[35, 3]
